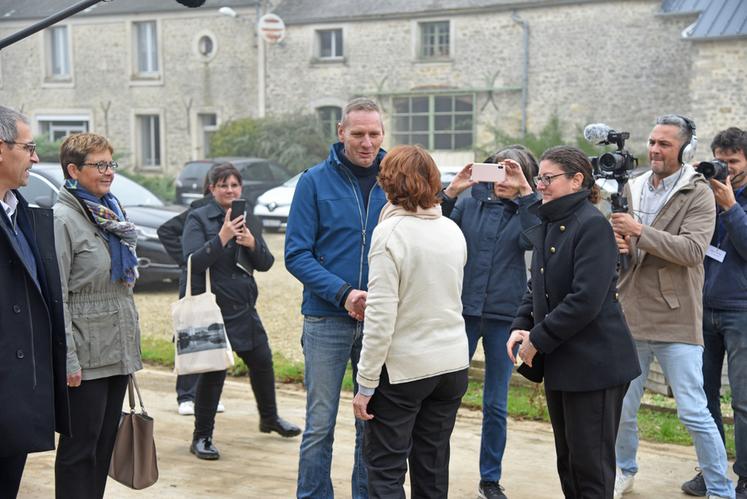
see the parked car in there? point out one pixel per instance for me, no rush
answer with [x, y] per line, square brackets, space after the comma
[258, 176]
[143, 208]
[273, 206]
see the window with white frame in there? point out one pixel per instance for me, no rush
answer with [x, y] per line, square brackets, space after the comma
[434, 121]
[329, 116]
[434, 40]
[148, 134]
[207, 126]
[57, 128]
[145, 41]
[58, 53]
[329, 44]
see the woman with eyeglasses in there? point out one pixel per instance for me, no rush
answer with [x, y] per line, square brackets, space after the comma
[492, 218]
[95, 246]
[214, 236]
[570, 325]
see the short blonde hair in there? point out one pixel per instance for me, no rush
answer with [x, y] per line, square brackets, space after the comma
[76, 147]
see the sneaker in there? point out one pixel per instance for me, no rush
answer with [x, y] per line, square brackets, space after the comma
[696, 486]
[717, 497]
[221, 407]
[741, 490]
[186, 408]
[490, 490]
[623, 484]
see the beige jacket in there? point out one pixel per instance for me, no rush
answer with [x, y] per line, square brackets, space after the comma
[101, 322]
[662, 290]
[414, 320]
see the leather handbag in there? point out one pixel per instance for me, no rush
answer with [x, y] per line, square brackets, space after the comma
[199, 332]
[134, 462]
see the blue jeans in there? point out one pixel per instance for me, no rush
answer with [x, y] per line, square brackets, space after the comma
[725, 332]
[498, 367]
[683, 367]
[328, 343]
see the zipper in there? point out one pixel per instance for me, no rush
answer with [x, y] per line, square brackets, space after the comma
[363, 220]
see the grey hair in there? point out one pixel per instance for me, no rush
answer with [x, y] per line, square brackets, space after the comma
[685, 129]
[8, 123]
[360, 104]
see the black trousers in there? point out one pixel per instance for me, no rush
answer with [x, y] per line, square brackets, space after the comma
[585, 428]
[83, 459]
[11, 470]
[412, 422]
[186, 387]
[210, 386]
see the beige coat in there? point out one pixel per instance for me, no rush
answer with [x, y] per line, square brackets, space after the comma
[101, 322]
[662, 290]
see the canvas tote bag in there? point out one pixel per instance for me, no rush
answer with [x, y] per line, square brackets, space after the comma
[201, 343]
[134, 461]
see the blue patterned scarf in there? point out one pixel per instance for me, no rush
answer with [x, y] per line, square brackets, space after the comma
[108, 215]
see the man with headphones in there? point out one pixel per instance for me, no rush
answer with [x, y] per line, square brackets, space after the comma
[665, 236]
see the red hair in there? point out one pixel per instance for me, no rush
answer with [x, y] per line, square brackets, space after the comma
[410, 178]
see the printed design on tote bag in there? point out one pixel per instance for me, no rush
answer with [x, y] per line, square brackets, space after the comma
[201, 338]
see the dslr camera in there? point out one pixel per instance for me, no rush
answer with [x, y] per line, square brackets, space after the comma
[617, 164]
[713, 169]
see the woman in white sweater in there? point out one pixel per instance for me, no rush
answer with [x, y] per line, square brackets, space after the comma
[412, 371]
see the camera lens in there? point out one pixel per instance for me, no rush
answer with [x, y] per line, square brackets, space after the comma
[610, 161]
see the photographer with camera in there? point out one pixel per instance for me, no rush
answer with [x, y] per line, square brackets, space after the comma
[665, 235]
[725, 296]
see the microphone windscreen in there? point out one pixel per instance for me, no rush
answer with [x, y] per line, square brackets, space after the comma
[191, 3]
[596, 132]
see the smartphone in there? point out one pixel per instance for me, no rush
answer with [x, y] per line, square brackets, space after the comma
[488, 172]
[238, 208]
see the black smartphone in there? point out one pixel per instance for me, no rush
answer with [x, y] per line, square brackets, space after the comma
[238, 208]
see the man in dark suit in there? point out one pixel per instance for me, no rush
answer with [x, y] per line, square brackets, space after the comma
[32, 328]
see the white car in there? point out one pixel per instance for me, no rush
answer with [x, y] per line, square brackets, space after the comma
[273, 206]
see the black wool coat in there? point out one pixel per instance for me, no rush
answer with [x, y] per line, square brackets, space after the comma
[571, 307]
[235, 289]
[33, 377]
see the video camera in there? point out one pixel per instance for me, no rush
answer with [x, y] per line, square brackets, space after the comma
[615, 165]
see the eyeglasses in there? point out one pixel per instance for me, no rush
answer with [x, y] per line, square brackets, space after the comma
[28, 146]
[227, 187]
[101, 166]
[547, 179]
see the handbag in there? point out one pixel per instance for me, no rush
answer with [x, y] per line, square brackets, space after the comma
[134, 462]
[199, 332]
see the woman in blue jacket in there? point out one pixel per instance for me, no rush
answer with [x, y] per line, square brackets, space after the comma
[492, 219]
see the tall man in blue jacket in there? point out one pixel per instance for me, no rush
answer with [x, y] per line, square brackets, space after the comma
[725, 301]
[334, 211]
[32, 328]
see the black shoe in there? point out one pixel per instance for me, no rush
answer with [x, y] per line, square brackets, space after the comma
[490, 490]
[279, 426]
[696, 486]
[203, 448]
[741, 490]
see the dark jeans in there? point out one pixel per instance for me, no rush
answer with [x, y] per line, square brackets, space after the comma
[725, 333]
[82, 461]
[412, 422]
[11, 471]
[210, 386]
[186, 387]
[585, 428]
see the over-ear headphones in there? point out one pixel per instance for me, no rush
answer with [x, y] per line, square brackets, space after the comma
[687, 152]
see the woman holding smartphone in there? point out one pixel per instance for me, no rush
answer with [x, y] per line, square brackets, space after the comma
[571, 315]
[218, 239]
[492, 219]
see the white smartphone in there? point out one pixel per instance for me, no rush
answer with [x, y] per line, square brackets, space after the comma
[488, 172]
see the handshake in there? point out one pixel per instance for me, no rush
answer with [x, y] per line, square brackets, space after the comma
[355, 304]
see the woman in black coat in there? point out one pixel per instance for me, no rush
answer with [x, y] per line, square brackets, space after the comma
[571, 327]
[217, 242]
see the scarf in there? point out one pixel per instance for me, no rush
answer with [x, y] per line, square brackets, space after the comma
[108, 215]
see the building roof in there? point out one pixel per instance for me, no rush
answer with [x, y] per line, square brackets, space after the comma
[318, 11]
[716, 18]
[38, 9]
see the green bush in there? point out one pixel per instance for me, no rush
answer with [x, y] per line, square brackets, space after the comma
[47, 150]
[160, 185]
[295, 141]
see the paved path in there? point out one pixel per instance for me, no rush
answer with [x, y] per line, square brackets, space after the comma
[257, 465]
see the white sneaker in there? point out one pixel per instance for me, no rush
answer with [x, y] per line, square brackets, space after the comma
[186, 408]
[717, 497]
[623, 484]
[221, 407]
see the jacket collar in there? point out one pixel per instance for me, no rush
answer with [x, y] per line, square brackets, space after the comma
[214, 210]
[685, 183]
[562, 207]
[336, 152]
[392, 210]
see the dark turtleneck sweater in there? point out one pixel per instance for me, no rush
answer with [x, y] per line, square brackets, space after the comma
[366, 176]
